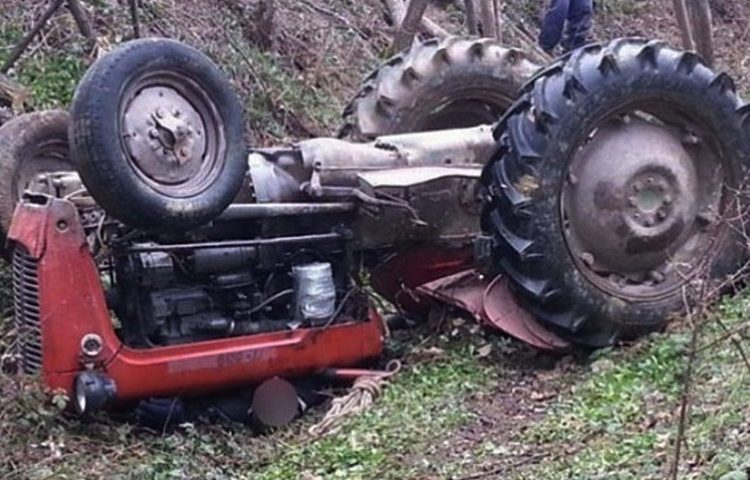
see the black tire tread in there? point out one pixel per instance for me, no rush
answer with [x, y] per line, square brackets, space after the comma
[391, 93]
[547, 280]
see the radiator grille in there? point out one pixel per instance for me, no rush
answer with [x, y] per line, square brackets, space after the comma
[26, 310]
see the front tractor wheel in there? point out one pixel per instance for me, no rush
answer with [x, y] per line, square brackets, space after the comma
[158, 135]
[614, 189]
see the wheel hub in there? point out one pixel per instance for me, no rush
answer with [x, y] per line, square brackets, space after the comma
[634, 198]
[164, 135]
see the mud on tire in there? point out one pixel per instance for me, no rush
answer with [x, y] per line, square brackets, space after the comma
[612, 188]
[30, 144]
[454, 83]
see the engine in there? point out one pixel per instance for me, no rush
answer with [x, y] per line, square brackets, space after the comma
[166, 295]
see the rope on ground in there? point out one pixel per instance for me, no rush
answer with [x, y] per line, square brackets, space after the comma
[364, 392]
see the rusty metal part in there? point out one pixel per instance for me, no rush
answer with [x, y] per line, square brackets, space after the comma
[411, 187]
[634, 215]
[398, 276]
[237, 211]
[492, 304]
[275, 403]
[172, 132]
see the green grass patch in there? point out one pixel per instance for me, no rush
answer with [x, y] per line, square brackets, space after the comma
[620, 420]
[417, 410]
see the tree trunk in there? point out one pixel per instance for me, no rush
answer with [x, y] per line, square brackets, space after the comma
[471, 17]
[489, 18]
[410, 24]
[699, 12]
[683, 21]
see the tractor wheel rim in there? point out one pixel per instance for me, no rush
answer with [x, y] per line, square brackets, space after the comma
[172, 133]
[641, 202]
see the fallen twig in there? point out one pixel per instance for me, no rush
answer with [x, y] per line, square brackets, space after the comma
[397, 12]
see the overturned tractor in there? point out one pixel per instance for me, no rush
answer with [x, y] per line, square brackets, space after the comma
[155, 255]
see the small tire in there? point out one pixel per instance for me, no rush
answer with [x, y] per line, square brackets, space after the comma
[452, 83]
[539, 142]
[157, 133]
[30, 144]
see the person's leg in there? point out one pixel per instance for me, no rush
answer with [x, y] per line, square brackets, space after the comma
[579, 24]
[553, 23]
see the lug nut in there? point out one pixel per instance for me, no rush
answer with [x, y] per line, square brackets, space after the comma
[153, 133]
[159, 113]
[661, 214]
[690, 139]
[176, 112]
[656, 276]
[587, 258]
[632, 201]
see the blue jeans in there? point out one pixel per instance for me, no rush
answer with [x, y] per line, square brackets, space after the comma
[577, 13]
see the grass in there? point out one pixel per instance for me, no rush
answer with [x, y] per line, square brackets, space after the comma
[619, 420]
[419, 407]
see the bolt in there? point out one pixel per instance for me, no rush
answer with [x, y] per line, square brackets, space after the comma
[637, 186]
[667, 199]
[661, 214]
[161, 93]
[62, 225]
[656, 276]
[648, 222]
[632, 201]
[198, 133]
[636, 215]
[650, 180]
[587, 258]
[184, 152]
[153, 133]
[164, 151]
[690, 139]
[176, 112]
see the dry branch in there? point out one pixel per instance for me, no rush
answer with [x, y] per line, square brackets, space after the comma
[489, 18]
[471, 17]
[25, 41]
[409, 25]
[683, 21]
[13, 94]
[134, 18]
[699, 12]
[397, 12]
[83, 21]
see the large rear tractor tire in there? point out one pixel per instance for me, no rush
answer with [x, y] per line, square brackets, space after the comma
[614, 189]
[157, 133]
[30, 144]
[454, 83]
